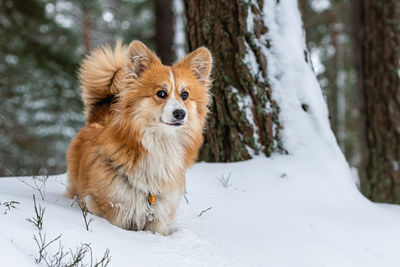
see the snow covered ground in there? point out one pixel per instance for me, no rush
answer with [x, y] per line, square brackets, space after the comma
[281, 211]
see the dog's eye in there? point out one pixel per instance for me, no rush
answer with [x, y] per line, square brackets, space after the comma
[184, 95]
[162, 94]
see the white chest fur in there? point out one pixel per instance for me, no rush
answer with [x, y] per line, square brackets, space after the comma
[163, 161]
[162, 164]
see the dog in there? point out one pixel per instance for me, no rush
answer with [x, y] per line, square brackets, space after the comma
[144, 128]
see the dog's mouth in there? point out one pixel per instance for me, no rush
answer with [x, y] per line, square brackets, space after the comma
[176, 123]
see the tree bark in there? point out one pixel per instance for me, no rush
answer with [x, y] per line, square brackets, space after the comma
[165, 31]
[87, 32]
[379, 79]
[334, 88]
[244, 119]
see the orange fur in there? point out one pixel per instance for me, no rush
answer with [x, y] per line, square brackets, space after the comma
[126, 152]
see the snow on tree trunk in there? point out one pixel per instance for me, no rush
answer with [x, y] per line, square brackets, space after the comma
[266, 96]
[303, 114]
[303, 110]
[244, 117]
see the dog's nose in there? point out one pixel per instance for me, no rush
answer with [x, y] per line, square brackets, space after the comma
[179, 114]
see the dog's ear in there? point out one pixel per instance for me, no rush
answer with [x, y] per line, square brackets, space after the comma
[200, 61]
[139, 59]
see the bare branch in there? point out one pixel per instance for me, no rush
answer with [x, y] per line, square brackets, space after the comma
[201, 213]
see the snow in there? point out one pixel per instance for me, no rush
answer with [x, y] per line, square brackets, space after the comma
[251, 60]
[281, 211]
[320, 5]
[293, 80]
[300, 209]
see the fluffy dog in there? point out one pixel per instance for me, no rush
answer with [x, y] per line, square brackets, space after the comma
[144, 125]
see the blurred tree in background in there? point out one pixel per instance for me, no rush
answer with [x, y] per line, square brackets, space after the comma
[39, 98]
[164, 38]
[377, 48]
[41, 44]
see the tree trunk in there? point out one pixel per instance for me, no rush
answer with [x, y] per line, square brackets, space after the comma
[334, 87]
[243, 117]
[165, 31]
[87, 32]
[379, 78]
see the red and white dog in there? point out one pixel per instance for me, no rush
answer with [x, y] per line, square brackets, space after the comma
[144, 125]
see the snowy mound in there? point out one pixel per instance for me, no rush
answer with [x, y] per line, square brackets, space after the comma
[283, 211]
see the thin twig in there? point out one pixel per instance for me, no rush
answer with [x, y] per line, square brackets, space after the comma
[41, 189]
[9, 205]
[224, 180]
[85, 212]
[184, 195]
[79, 255]
[105, 260]
[201, 213]
[42, 245]
[39, 212]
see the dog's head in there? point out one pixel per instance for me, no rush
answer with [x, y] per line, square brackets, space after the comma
[163, 96]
